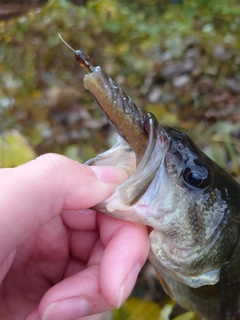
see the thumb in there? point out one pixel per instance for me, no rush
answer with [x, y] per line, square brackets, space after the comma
[36, 192]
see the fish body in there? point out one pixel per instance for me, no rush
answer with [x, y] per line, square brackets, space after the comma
[191, 204]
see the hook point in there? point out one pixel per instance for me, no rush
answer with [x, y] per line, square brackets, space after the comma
[66, 42]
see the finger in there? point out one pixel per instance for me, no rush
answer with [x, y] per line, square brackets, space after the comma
[34, 316]
[36, 192]
[80, 219]
[127, 248]
[96, 290]
[77, 296]
[74, 266]
[100, 316]
[82, 242]
[3, 170]
[6, 264]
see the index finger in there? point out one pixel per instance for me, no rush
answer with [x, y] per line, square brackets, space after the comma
[36, 192]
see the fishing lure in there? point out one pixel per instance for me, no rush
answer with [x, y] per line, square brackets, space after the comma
[120, 110]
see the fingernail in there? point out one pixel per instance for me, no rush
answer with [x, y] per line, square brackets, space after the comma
[127, 284]
[70, 309]
[109, 174]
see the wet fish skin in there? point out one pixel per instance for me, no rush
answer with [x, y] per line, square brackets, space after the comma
[219, 300]
[195, 238]
[190, 202]
[212, 302]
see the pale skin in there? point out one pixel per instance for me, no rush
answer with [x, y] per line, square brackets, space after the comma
[58, 258]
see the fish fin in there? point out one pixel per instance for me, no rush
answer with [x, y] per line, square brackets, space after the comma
[206, 292]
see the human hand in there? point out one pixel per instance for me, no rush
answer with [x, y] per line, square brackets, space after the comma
[59, 259]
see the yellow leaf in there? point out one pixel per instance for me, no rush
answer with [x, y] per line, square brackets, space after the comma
[187, 316]
[163, 115]
[135, 308]
[14, 149]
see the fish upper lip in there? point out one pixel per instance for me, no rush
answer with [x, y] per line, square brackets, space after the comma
[149, 164]
[130, 192]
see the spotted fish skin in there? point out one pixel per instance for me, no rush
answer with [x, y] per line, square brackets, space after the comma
[191, 204]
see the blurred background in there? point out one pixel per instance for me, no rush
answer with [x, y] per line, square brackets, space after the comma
[179, 59]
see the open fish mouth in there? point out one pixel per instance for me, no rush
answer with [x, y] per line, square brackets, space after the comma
[141, 176]
[190, 203]
[164, 190]
[167, 188]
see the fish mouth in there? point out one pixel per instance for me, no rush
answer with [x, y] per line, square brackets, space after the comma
[136, 186]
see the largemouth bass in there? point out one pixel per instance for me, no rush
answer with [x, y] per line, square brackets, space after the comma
[190, 204]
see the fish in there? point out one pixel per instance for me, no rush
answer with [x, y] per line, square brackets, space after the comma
[190, 204]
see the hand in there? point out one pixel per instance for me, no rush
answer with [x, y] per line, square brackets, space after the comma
[59, 259]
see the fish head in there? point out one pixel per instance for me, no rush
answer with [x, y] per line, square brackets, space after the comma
[193, 210]
[189, 203]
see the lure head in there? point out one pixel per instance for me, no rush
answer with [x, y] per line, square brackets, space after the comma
[190, 203]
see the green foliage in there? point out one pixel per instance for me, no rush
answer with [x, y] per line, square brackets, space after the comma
[187, 316]
[135, 308]
[14, 149]
[180, 62]
[41, 86]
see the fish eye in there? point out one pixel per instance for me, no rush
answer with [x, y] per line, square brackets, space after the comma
[197, 177]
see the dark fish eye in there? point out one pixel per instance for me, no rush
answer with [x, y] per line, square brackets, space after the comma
[197, 177]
